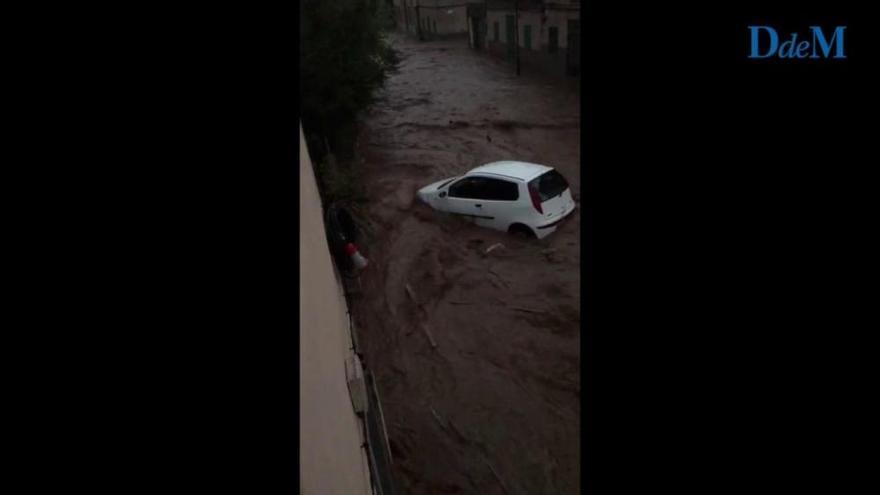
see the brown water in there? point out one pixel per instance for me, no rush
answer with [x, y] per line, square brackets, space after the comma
[495, 408]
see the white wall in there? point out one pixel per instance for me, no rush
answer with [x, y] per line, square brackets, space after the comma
[492, 17]
[540, 31]
[560, 19]
[331, 457]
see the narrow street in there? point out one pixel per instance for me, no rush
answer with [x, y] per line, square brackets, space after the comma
[495, 408]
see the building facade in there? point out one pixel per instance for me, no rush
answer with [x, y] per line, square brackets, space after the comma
[544, 35]
[431, 19]
[333, 458]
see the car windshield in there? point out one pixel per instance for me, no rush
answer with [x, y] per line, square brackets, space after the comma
[441, 186]
[550, 185]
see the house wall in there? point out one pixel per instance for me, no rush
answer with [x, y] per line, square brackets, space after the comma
[449, 19]
[411, 19]
[404, 15]
[538, 57]
[449, 16]
[331, 435]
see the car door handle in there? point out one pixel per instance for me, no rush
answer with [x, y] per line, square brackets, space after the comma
[478, 205]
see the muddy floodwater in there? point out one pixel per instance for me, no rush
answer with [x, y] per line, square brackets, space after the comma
[495, 407]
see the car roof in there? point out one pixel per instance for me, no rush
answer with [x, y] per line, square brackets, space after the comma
[516, 170]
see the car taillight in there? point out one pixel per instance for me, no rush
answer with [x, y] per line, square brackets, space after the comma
[536, 198]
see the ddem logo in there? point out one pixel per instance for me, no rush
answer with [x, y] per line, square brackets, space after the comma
[765, 44]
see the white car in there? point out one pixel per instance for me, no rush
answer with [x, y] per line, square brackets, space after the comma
[515, 197]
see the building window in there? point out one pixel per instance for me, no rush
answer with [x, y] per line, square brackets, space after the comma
[527, 37]
[495, 30]
[553, 44]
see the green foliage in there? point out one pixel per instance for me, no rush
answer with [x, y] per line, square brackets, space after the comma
[344, 58]
[339, 183]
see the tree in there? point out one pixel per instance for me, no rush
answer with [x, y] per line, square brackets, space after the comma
[344, 59]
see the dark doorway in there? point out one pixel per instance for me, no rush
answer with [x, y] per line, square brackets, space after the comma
[477, 29]
[511, 48]
[573, 48]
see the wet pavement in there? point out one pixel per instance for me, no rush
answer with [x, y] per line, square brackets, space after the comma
[495, 407]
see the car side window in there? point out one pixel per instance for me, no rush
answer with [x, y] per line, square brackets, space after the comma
[502, 190]
[459, 188]
[484, 188]
[469, 188]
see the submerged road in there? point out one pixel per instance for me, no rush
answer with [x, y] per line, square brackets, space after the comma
[495, 408]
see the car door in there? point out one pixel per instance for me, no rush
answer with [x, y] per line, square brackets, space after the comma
[499, 200]
[467, 197]
[487, 201]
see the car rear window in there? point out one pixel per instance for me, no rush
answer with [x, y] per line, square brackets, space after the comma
[549, 185]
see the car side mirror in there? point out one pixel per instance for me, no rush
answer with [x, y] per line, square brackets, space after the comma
[442, 194]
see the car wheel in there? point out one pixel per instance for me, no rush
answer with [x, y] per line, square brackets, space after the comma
[521, 231]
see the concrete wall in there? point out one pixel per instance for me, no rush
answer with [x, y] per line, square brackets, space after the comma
[331, 435]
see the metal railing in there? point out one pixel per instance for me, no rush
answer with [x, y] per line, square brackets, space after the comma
[375, 433]
[377, 442]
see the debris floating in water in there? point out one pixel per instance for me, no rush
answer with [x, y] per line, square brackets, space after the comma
[494, 247]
